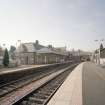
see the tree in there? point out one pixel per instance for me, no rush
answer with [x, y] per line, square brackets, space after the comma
[101, 47]
[12, 49]
[6, 58]
[12, 52]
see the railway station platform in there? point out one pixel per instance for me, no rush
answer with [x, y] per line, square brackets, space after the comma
[25, 67]
[84, 86]
[6, 70]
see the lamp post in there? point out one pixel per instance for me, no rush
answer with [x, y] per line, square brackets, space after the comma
[4, 46]
[19, 41]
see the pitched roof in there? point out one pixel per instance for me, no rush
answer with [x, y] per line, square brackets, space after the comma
[54, 51]
[26, 47]
[45, 50]
[29, 47]
[38, 46]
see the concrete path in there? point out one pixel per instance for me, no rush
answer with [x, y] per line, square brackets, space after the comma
[84, 86]
[93, 85]
[70, 92]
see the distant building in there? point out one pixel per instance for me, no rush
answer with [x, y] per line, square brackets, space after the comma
[102, 56]
[99, 55]
[79, 55]
[26, 52]
[34, 53]
[1, 55]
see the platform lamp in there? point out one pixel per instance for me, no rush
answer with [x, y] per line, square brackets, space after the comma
[19, 41]
[4, 47]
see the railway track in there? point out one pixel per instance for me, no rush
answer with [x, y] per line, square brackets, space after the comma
[42, 95]
[12, 86]
[34, 90]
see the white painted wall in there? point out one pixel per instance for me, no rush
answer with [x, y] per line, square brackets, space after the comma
[1, 60]
[102, 61]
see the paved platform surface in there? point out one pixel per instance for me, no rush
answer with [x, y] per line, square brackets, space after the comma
[23, 67]
[6, 70]
[18, 67]
[84, 86]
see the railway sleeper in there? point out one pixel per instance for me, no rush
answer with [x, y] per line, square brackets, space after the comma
[40, 96]
[29, 103]
[45, 93]
[36, 100]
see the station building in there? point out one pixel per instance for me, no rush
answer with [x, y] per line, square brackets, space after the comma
[34, 53]
[99, 56]
[102, 56]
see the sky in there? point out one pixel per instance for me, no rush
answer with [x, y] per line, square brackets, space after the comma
[72, 23]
